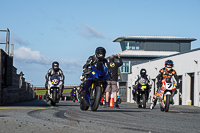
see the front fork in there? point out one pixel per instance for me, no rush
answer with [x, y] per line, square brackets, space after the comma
[91, 92]
[162, 101]
[50, 94]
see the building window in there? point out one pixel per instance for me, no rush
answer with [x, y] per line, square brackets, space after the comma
[134, 45]
[125, 67]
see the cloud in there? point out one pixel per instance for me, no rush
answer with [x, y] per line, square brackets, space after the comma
[25, 55]
[70, 66]
[89, 32]
[18, 40]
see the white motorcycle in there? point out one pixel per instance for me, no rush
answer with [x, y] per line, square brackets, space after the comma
[54, 89]
[166, 93]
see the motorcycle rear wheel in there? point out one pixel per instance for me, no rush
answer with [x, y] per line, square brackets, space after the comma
[167, 103]
[119, 100]
[83, 105]
[97, 98]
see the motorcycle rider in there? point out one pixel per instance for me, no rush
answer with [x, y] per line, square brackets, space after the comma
[73, 91]
[143, 75]
[167, 71]
[54, 70]
[98, 57]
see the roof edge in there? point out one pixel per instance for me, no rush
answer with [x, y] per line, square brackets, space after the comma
[166, 38]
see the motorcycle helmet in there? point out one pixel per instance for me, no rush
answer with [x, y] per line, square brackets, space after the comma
[100, 53]
[143, 72]
[55, 66]
[169, 64]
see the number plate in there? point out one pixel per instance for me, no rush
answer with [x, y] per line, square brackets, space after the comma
[143, 87]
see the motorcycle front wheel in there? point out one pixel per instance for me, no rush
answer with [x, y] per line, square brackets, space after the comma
[144, 101]
[97, 98]
[167, 102]
[53, 101]
[74, 99]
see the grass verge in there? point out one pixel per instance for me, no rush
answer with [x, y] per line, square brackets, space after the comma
[43, 92]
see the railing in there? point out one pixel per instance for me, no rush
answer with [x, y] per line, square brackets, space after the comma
[7, 40]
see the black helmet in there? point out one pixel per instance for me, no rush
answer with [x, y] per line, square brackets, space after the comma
[143, 72]
[55, 66]
[100, 50]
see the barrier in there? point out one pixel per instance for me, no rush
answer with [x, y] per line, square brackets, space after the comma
[13, 87]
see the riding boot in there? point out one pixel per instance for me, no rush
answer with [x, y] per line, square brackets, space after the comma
[47, 96]
[106, 105]
[153, 104]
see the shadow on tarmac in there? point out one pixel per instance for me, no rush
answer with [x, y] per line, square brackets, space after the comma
[119, 110]
[184, 112]
[32, 103]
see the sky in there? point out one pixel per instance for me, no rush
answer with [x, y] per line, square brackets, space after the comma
[69, 31]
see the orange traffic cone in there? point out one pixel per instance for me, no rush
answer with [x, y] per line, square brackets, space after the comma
[111, 101]
[65, 98]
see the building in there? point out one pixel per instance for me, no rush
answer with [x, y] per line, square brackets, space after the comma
[138, 49]
[187, 67]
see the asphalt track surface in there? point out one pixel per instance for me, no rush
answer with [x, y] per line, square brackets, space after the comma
[66, 117]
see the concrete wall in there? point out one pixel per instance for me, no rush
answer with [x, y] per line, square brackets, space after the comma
[184, 64]
[13, 87]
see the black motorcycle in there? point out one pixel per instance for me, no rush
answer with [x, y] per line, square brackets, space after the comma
[142, 90]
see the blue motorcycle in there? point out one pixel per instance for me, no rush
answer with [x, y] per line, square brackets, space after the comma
[94, 87]
[73, 96]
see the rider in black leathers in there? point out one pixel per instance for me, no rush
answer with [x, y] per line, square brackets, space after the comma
[54, 70]
[92, 60]
[144, 76]
[98, 57]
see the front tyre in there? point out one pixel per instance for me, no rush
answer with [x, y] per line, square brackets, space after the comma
[74, 99]
[144, 101]
[97, 98]
[53, 101]
[167, 103]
